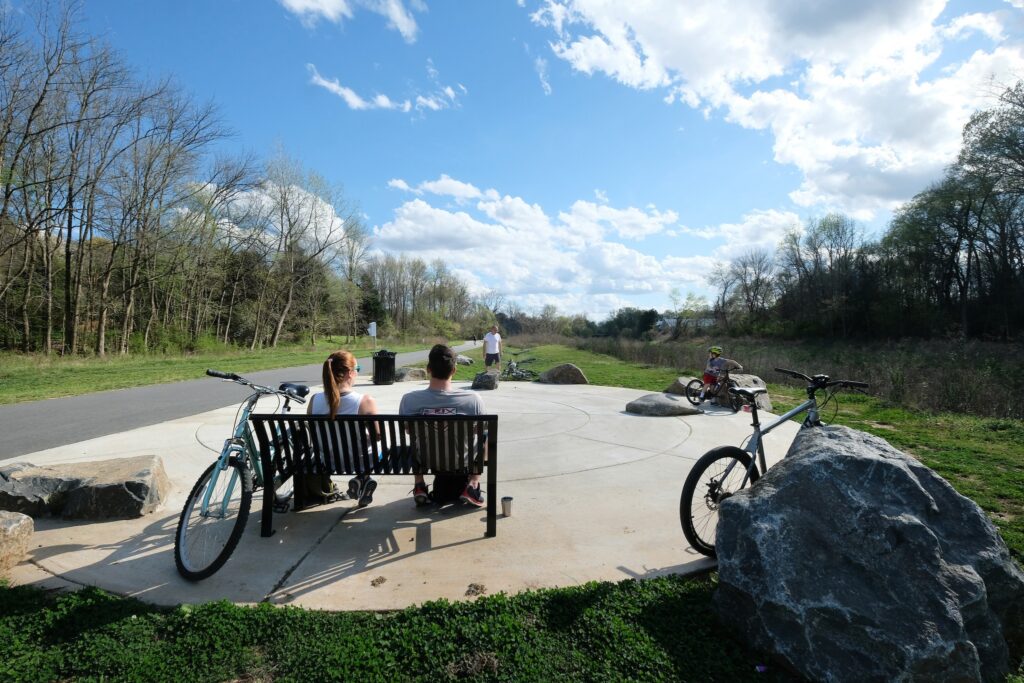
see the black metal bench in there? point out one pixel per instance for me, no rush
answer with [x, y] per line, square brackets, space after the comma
[296, 445]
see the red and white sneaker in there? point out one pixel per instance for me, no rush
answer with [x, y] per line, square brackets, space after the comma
[473, 496]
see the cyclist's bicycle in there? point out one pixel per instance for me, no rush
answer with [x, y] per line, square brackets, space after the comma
[216, 511]
[723, 471]
[719, 390]
[513, 372]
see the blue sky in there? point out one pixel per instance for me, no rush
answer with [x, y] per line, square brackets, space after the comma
[584, 153]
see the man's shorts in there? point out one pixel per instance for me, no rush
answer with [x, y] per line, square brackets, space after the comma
[709, 379]
[490, 358]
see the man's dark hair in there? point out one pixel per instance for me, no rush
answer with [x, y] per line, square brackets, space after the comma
[441, 361]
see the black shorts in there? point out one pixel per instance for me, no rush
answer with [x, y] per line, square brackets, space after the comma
[490, 358]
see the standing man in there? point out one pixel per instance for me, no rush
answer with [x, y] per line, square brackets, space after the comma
[492, 348]
[440, 399]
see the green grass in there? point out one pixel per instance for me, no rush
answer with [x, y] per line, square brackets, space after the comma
[653, 630]
[35, 377]
[656, 630]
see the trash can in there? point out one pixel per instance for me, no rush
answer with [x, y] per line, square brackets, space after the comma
[384, 367]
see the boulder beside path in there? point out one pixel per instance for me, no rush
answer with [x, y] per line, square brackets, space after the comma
[566, 373]
[106, 489]
[852, 561]
[485, 381]
[15, 534]
[662, 405]
[408, 374]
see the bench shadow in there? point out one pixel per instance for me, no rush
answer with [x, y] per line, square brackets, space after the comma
[367, 540]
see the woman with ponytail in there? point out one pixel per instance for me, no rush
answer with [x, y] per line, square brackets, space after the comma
[338, 398]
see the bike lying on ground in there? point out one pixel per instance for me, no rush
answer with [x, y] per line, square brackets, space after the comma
[723, 471]
[215, 513]
[719, 390]
[513, 372]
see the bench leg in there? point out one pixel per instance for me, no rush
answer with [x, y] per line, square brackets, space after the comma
[492, 498]
[267, 517]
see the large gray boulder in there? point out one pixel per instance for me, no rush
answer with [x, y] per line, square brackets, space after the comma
[678, 387]
[567, 373]
[15, 535]
[463, 360]
[485, 381]
[410, 374]
[662, 405]
[750, 382]
[106, 489]
[855, 562]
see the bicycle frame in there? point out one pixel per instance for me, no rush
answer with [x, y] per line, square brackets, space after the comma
[755, 445]
[242, 444]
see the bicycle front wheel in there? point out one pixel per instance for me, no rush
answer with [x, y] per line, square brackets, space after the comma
[207, 534]
[693, 389]
[717, 475]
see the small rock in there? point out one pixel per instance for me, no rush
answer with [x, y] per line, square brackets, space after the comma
[485, 380]
[410, 374]
[378, 581]
[661, 405]
[567, 373]
[15, 535]
[475, 589]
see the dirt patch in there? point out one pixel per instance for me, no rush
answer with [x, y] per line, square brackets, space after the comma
[475, 589]
[378, 581]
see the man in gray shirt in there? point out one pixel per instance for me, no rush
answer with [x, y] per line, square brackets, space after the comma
[440, 399]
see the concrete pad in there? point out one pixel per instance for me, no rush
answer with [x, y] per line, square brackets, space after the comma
[596, 497]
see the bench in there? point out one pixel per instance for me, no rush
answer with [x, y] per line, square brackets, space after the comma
[295, 445]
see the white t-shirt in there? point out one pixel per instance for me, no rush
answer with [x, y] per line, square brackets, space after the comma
[492, 342]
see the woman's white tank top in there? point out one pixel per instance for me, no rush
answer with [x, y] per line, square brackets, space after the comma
[348, 404]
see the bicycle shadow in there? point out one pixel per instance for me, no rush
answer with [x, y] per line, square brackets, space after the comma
[368, 540]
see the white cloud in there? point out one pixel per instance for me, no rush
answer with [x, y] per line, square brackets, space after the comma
[541, 66]
[575, 258]
[351, 98]
[443, 97]
[335, 11]
[762, 229]
[849, 90]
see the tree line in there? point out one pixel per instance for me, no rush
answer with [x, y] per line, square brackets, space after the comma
[122, 230]
[951, 262]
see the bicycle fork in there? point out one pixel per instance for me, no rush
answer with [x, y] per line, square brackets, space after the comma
[231, 446]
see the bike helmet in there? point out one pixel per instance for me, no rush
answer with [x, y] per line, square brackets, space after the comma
[716, 350]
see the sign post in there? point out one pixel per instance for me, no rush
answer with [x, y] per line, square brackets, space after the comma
[372, 330]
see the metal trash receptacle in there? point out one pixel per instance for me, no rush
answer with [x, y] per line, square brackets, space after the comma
[384, 367]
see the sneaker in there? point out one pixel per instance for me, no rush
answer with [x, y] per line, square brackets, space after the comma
[473, 496]
[366, 495]
[355, 488]
[421, 494]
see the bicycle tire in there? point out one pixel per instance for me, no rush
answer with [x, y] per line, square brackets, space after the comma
[701, 523]
[735, 402]
[693, 389]
[203, 544]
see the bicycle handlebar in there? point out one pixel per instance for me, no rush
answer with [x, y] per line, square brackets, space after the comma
[223, 375]
[823, 381]
[259, 389]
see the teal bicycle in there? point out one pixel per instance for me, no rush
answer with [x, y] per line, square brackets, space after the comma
[217, 509]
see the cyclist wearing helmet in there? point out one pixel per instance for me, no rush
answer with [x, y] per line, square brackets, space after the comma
[715, 369]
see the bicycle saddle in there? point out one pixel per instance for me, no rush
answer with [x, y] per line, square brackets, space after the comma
[300, 390]
[748, 392]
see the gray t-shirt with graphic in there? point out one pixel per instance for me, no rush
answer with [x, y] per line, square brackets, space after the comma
[439, 402]
[440, 449]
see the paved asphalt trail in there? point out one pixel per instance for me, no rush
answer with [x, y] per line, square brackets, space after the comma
[38, 425]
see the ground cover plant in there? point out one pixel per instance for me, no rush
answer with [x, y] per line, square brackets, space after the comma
[656, 630]
[29, 377]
